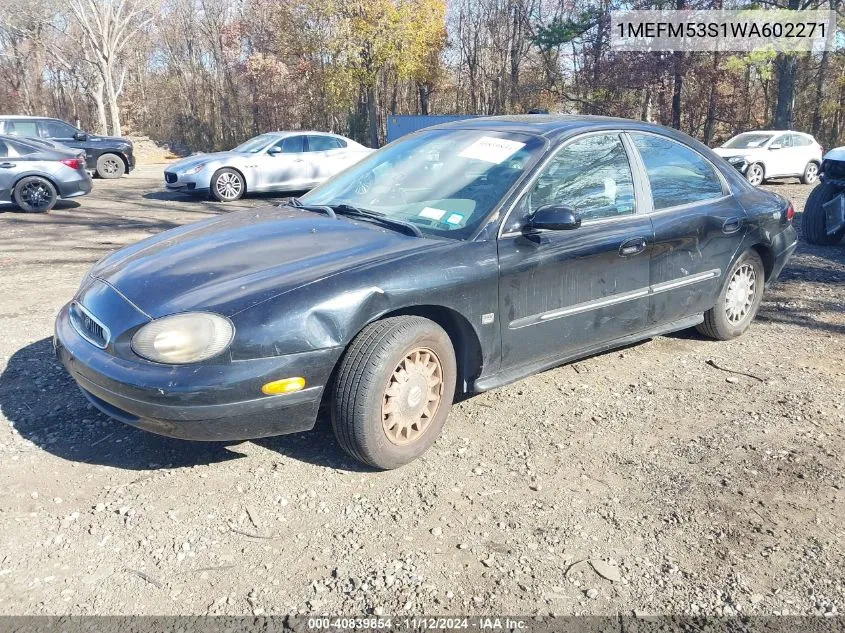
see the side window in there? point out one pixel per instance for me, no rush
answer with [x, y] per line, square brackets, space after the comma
[22, 128]
[784, 140]
[592, 175]
[291, 145]
[322, 143]
[4, 150]
[799, 140]
[677, 174]
[56, 129]
[19, 149]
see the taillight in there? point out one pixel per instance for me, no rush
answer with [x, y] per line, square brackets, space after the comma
[73, 163]
[790, 212]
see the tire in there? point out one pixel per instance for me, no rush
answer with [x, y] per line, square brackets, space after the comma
[755, 174]
[813, 218]
[34, 194]
[110, 166]
[725, 320]
[811, 173]
[227, 185]
[383, 429]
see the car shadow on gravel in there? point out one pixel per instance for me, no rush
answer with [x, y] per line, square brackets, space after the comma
[44, 405]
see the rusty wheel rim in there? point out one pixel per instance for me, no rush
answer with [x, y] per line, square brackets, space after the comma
[412, 396]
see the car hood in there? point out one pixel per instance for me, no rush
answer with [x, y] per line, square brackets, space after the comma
[727, 152]
[232, 262]
[108, 139]
[190, 161]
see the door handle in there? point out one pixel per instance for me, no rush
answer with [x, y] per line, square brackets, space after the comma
[633, 246]
[7, 165]
[732, 225]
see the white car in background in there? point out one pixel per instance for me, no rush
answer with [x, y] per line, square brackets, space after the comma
[774, 154]
[275, 161]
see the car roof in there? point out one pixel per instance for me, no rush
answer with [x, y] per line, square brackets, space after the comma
[775, 132]
[15, 117]
[554, 126]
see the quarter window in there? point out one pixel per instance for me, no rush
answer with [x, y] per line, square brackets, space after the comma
[592, 175]
[799, 140]
[677, 174]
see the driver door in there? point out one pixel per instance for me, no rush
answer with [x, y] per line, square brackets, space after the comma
[285, 166]
[565, 291]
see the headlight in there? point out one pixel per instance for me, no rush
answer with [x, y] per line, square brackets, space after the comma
[195, 169]
[183, 338]
[733, 160]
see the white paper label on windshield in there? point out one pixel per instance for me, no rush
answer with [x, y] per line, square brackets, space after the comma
[431, 213]
[491, 149]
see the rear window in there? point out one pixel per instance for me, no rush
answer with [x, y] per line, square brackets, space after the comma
[21, 128]
[323, 143]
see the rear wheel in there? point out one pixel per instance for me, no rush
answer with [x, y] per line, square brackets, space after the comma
[110, 166]
[811, 173]
[813, 219]
[755, 174]
[738, 301]
[393, 391]
[227, 185]
[34, 194]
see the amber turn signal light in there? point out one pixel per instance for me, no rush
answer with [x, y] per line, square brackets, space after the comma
[285, 385]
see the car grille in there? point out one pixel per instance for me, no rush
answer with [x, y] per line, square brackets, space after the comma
[88, 327]
[170, 177]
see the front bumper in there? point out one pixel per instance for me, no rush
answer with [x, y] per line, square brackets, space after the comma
[740, 166]
[195, 183]
[221, 401]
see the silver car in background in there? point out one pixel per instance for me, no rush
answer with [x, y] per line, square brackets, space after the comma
[35, 173]
[276, 161]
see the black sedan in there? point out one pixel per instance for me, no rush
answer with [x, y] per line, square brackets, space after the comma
[455, 260]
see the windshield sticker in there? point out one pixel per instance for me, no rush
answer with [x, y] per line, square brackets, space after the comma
[455, 218]
[431, 213]
[491, 149]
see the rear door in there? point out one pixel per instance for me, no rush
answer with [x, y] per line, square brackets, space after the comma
[698, 227]
[8, 172]
[561, 292]
[326, 156]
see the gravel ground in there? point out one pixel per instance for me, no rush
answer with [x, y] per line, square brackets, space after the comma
[644, 480]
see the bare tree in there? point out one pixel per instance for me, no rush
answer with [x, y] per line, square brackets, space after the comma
[108, 26]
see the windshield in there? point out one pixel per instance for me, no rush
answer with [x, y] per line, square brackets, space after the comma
[256, 144]
[748, 140]
[445, 182]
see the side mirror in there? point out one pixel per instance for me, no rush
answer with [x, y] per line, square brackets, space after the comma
[80, 136]
[554, 217]
[775, 146]
[274, 150]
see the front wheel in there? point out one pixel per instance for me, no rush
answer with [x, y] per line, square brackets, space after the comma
[227, 185]
[110, 166]
[814, 220]
[738, 301]
[34, 194]
[755, 174]
[393, 391]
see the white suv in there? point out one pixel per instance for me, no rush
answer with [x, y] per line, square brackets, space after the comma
[774, 154]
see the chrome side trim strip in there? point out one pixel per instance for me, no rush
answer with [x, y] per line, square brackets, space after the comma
[611, 300]
[685, 281]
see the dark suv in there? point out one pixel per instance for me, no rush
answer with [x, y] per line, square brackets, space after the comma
[107, 156]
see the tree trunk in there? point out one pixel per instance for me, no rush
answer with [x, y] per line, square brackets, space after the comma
[786, 91]
[97, 95]
[710, 121]
[678, 83]
[425, 93]
[372, 116]
[819, 98]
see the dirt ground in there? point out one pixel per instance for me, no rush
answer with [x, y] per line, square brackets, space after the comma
[691, 489]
